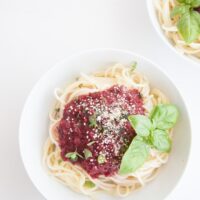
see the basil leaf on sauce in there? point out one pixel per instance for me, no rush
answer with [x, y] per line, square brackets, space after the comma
[87, 153]
[141, 124]
[164, 116]
[135, 156]
[101, 159]
[160, 140]
[72, 156]
[92, 121]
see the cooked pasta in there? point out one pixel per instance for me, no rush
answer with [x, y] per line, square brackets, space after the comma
[168, 25]
[74, 176]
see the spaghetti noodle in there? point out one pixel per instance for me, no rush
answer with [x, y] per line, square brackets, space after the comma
[74, 176]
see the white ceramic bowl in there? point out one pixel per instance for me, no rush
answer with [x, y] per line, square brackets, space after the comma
[154, 19]
[34, 123]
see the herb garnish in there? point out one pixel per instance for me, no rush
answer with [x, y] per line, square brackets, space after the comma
[189, 19]
[87, 153]
[93, 120]
[101, 159]
[59, 161]
[90, 143]
[73, 156]
[89, 184]
[57, 110]
[133, 66]
[151, 132]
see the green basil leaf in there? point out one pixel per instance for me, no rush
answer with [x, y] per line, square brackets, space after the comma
[188, 27]
[195, 3]
[87, 153]
[164, 116]
[182, 1]
[188, 2]
[197, 16]
[89, 184]
[180, 10]
[135, 156]
[161, 140]
[142, 124]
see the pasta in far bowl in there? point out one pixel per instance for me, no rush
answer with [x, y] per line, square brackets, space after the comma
[178, 24]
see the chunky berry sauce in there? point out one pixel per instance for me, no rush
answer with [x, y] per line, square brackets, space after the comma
[97, 122]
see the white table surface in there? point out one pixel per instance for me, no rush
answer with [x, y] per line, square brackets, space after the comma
[34, 35]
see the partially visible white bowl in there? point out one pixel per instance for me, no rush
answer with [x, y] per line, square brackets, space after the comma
[154, 19]
[34, 123]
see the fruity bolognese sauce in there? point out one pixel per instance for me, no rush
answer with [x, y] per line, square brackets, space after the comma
[98, 123]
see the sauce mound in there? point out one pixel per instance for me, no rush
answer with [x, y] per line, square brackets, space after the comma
[97, 123]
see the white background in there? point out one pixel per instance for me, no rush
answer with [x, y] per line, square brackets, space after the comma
[34, 35]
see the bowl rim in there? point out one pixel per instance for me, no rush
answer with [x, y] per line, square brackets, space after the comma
[89, 51]
[157, 28]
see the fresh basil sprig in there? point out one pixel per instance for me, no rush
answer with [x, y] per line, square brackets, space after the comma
[189, 19]
[152, 132]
